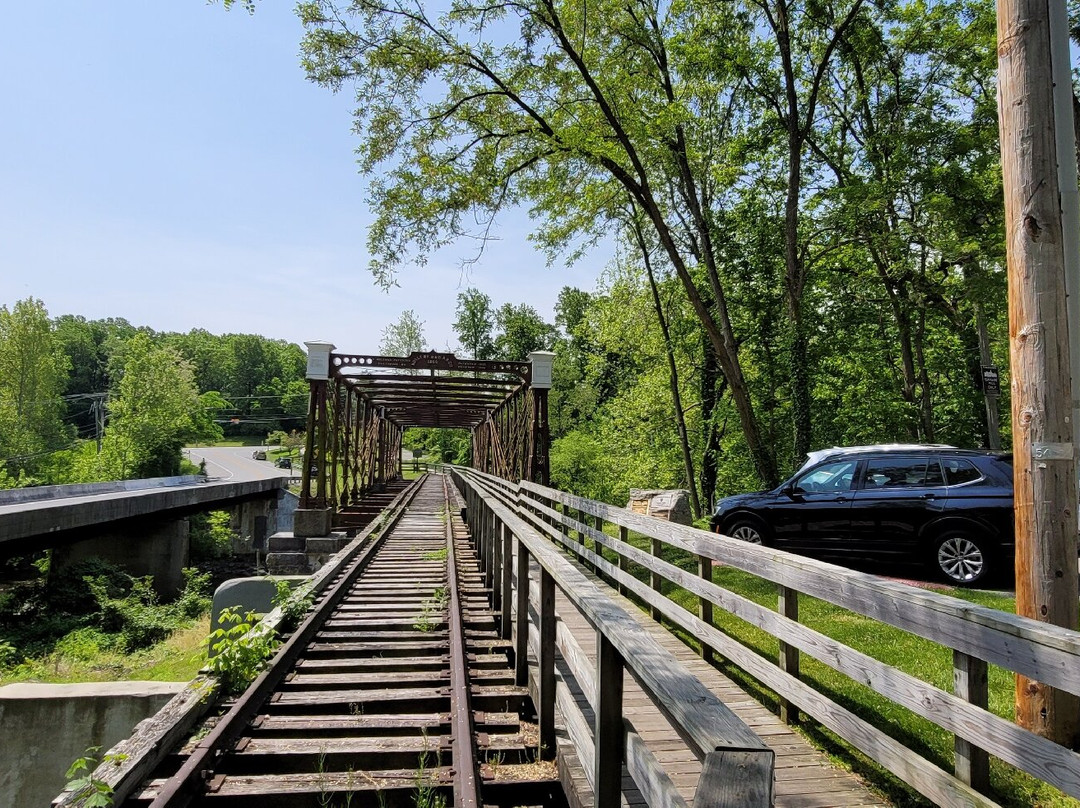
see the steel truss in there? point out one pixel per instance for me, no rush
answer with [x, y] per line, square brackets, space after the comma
[357, 415]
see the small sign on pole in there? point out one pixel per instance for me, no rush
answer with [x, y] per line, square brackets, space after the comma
[991, 380]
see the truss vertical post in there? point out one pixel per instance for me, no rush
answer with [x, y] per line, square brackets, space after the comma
[309, 444]
[334, 449]
[313, 517]
[541, 435]
[346, 447]
[320, 450]
[358, 446]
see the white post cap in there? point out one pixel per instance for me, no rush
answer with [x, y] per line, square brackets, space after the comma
[318, 359]
[541, 368]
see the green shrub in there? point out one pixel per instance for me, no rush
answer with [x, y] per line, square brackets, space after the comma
[87, 789]
[193, 601]
[69, 591]
[294, 605]
[8, 655]
[210, 536]
[139, 618]
[85, 644]
[239, 653]
[104, 610]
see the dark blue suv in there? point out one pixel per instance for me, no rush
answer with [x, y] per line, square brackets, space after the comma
[949, 508]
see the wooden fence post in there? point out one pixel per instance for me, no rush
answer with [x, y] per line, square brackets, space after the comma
[498, 540]
[608, 727]
[507, 584]
[546, 660]
[656, 580]
[521, 626]
[490, 537]
[788, 606]
[705, 605]
[970, 763]
[624, 563]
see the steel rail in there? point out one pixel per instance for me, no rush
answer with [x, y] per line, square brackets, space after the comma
[190, 780]
[466, 789]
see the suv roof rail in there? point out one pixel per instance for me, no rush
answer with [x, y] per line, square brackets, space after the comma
[821, 454]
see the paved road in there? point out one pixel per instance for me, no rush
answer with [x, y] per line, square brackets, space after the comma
[235, 463]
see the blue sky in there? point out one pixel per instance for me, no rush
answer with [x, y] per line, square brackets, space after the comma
[167, 162]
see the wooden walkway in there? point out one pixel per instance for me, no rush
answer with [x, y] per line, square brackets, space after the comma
[805, 778]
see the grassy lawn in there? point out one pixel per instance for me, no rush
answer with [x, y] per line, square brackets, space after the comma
[240, 440]
[918, 657]
[176, 659]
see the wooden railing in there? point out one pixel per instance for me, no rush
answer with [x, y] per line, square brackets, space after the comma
[977, 637]
[524, 570]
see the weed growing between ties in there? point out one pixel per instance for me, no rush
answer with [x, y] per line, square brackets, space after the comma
[431, 609]
[427, 794]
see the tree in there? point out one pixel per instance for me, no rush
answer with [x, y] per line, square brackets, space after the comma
[805, 37]
[33, 373]
[403, 337]
[521, 330]
[156, 409]
[474, 322]
[584, 107]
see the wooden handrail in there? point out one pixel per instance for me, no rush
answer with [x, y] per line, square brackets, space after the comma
[713, 732]
[976, 635]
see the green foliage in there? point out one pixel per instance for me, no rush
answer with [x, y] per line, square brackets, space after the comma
[474, 323]
[210, 536]
[93, 607]
[156, 410]
[579, 463]
[240, 654]
[137, 618]
[33, 371]
[87, 789]
[440, 445]
[520, 331]
[404, 336]
[294, 604]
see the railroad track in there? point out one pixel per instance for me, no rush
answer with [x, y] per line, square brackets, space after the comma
[395, 691]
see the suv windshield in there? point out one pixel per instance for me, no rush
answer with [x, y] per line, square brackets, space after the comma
[827, 477]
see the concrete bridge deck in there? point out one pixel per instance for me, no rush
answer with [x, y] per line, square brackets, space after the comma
[38, 524]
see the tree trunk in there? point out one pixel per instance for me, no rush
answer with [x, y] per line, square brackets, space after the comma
[676, 397]
[793, 286]
[710, 378]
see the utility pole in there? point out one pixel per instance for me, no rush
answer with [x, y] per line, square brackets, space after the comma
[990, 394]
[97, 407]
[1044, 456]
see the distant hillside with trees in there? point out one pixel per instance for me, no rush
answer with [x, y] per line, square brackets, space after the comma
[86, 400]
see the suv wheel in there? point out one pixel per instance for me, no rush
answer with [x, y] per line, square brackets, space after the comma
[746, 530]
[962, 558]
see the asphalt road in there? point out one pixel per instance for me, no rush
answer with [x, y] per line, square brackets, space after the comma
[235, 463]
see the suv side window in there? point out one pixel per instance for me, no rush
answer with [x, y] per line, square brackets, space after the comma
[958, 472]
[902, 472]
[834, 476]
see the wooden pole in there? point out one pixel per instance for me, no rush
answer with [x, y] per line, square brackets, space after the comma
[1044, 469]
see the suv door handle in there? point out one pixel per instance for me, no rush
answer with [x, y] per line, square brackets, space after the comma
[929, 496]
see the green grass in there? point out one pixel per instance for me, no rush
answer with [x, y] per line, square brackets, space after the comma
[239, 440]
[176, 659]
[914, 655]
